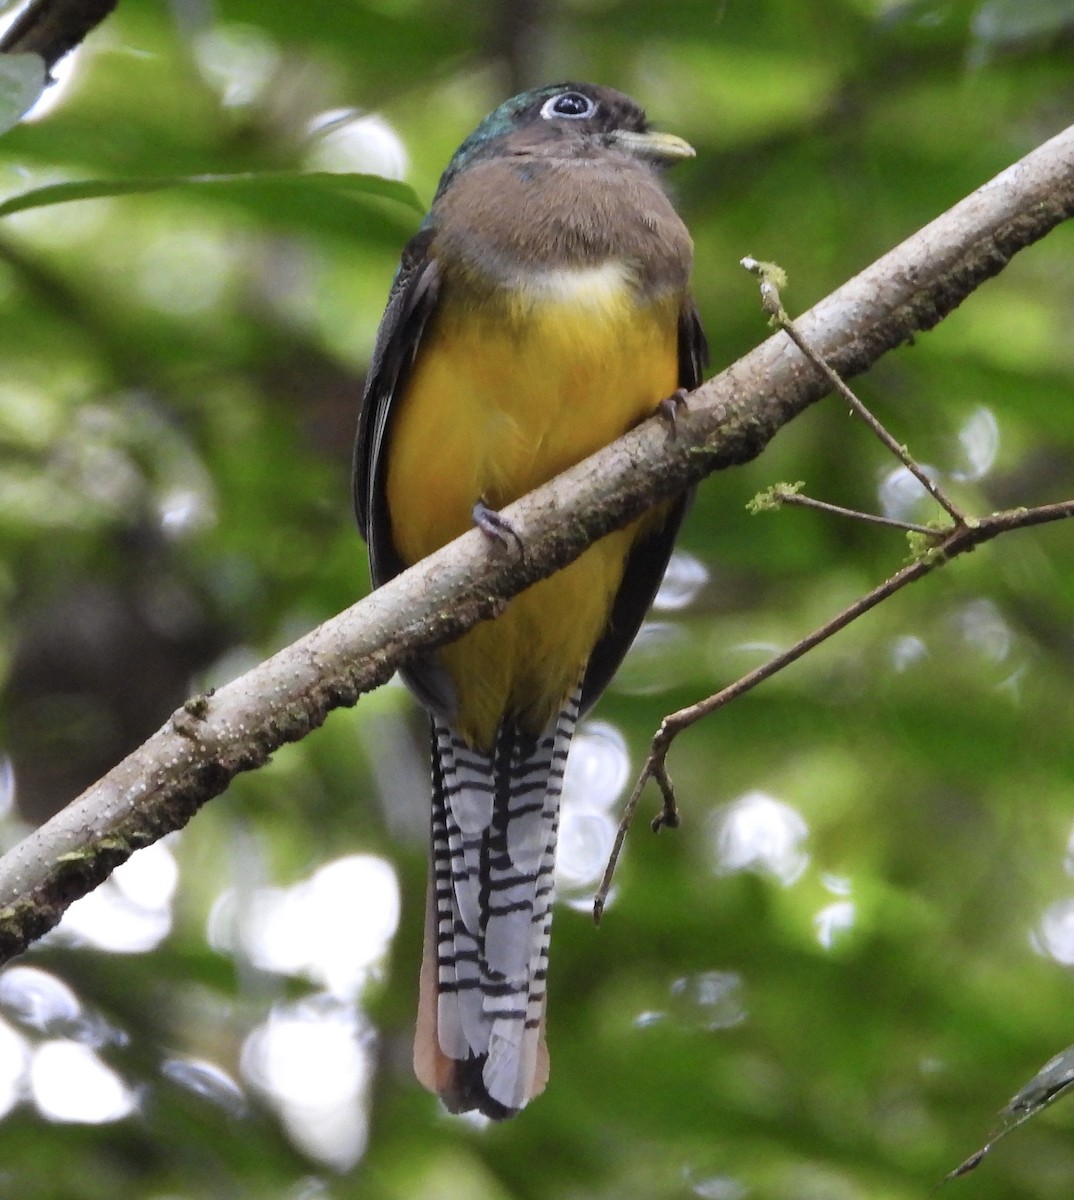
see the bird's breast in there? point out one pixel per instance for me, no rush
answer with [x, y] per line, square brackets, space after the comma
[588, 291]
[503, 395]
[578, 226]
[506, 393]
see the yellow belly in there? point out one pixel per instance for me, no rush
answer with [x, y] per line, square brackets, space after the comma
[493, 408]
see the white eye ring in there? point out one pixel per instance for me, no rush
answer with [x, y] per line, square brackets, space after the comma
[586, 107]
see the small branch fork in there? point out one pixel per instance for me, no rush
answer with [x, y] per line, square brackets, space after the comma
[773, 278]
[933, 546]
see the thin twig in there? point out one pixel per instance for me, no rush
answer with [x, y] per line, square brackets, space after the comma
[958, 540]
[772, 279]
[872, 518]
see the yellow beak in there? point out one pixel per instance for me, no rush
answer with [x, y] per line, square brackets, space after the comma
[656, 147]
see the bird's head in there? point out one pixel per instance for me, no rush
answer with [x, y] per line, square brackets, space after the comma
[567, 120]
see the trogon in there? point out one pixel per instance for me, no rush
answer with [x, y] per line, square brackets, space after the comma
[541, 311]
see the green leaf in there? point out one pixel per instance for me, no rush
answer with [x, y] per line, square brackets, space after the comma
[22, 80]
[260, 186]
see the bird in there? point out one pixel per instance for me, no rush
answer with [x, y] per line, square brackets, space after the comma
[542, 310]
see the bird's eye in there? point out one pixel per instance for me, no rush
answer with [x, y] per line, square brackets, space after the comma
[569, 104]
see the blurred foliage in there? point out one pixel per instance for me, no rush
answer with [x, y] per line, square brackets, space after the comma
[180, 380]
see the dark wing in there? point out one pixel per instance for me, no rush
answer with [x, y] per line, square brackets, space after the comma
[649, 559]
[410, 305]
[693, 347]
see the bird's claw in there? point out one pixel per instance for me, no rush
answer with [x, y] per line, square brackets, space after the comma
[496, 527]
[669, 408]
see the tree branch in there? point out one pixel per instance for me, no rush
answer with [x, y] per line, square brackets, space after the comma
[51, 28]
[728, 421]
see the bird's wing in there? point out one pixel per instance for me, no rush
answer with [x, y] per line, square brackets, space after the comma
[411, 303]
[648, 559]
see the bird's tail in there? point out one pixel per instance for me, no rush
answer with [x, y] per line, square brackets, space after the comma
[480, 1038]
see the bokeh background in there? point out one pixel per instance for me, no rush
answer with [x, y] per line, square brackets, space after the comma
[858, 946]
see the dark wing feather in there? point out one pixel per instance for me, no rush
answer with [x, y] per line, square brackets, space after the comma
[649, 558]
[411, 303]
[693, 347]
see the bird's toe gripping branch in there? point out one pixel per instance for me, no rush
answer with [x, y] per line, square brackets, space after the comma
[670, 407]
[496, 527]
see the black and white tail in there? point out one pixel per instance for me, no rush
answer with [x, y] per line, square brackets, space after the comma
[480, 1038]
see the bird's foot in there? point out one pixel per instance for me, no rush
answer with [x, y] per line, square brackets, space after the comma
[496, 528]
[669, 408]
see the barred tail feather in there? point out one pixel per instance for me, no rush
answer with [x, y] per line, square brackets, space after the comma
[480, 1039]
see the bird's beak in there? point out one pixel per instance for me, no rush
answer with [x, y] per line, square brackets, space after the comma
[654, 147]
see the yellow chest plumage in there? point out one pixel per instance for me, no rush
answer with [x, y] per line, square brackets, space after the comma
[502, 397]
